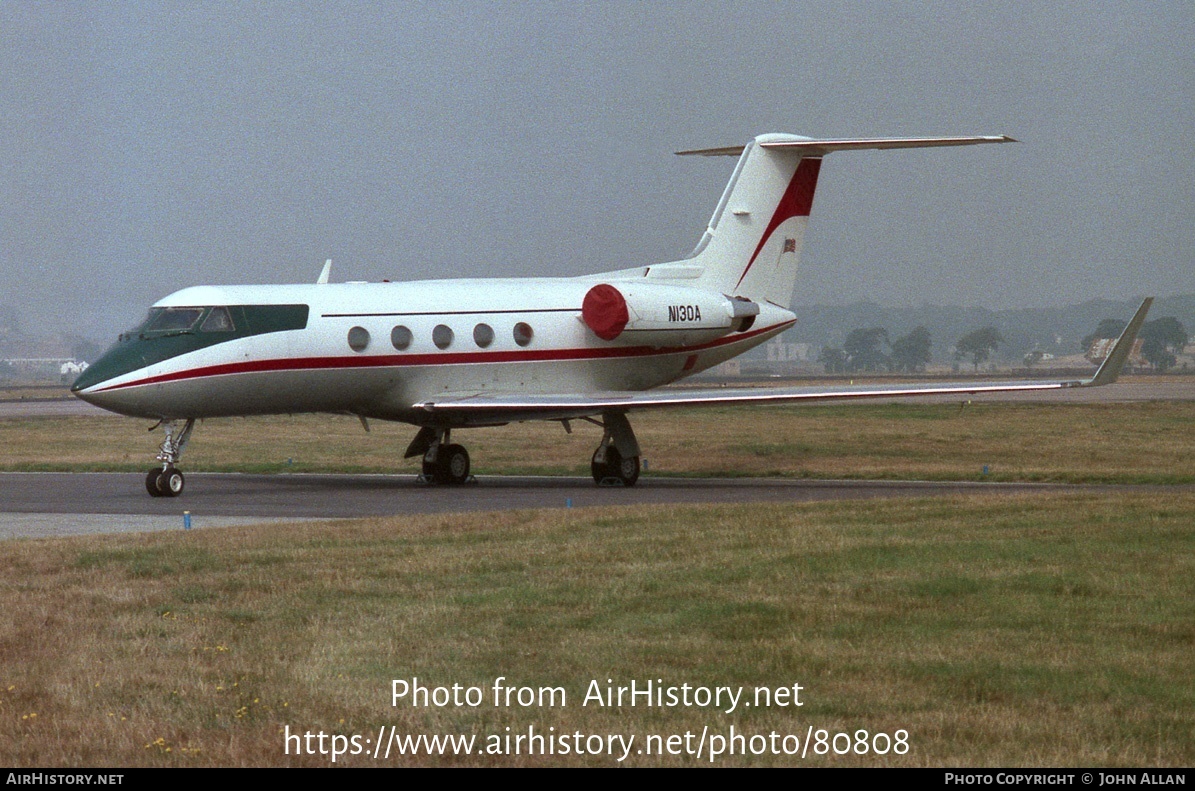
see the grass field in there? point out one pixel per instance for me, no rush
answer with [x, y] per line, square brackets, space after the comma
[1114, 443]
[1033, 631]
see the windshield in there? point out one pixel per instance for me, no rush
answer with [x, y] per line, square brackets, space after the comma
[141, 325]
[225, 321]
[174, 319]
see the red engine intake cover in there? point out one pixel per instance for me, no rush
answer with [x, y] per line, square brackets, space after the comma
[604, 311]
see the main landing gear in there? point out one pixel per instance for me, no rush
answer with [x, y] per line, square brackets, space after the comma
[167, 480]
[614, 463]
[443, 462]
[614, 470]
[616, 460]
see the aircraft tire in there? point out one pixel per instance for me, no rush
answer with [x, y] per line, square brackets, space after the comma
[455, 461]
[616, 467]
[598, 469]
[152, 482]
[625, 470]
[450, 467]
[171, 482]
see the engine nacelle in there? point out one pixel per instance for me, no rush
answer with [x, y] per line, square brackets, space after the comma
[654, 314]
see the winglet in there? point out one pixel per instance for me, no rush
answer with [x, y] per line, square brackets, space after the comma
[323, 275]
[1110, 369]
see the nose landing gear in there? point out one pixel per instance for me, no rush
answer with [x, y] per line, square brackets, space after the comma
[168, 480]
[165, 483]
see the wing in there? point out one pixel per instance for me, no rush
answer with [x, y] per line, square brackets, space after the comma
[486, 407]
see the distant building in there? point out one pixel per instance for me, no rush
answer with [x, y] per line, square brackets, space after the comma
[72, 368]
[780, 352]
[43, 367]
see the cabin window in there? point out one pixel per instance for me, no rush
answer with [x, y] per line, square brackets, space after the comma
[442, 336]
[358, 339]
[219, 320]
[401, 337]
[175, 319]
[483, 335]
[523, 333]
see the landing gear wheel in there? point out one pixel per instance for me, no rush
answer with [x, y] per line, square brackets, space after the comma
[167, 481]
[171, 482]
[625, 471]
[450, 467]
[152, 482]
[596, 468]
[456, 464]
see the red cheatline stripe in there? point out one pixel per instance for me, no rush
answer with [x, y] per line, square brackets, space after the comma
[457, 358]
[797, 202]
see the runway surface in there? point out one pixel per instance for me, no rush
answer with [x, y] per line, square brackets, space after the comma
[51, 504]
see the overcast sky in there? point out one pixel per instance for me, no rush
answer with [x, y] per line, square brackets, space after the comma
[146, 147]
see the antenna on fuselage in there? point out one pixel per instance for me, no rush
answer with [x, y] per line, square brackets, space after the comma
[323, 275]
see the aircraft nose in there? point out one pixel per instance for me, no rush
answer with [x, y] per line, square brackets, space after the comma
[117, 361]
[97, 373]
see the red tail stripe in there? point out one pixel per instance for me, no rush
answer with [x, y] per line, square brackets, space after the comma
[797, 202]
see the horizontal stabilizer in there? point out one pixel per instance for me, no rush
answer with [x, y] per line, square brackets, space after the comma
[810, 147]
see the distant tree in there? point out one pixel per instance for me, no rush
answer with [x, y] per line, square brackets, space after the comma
[1107, 328]
[863, 349]
[978, 345]
[1161, 340]
[911, 352]
[1033, 358]
[833, 359]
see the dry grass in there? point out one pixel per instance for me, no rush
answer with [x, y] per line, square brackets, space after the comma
[1127, 443]
[1044, 630]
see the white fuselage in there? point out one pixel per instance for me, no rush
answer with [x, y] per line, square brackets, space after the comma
[344, 360]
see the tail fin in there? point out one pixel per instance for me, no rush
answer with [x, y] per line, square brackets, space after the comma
[755, 251]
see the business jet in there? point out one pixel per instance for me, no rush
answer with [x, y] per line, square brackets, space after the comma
[444, 355]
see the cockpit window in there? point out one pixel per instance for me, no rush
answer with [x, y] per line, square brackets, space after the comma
[236, 320]
[145, 322]
[219, 320]
[174, 319]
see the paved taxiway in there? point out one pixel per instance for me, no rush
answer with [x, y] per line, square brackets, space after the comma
[45, 504]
